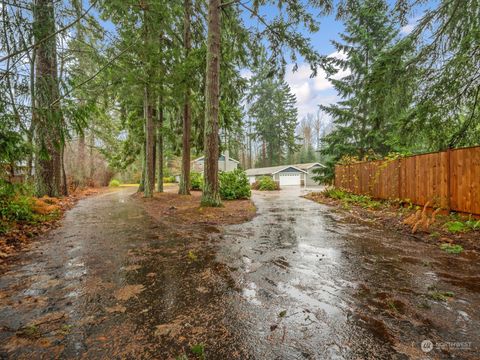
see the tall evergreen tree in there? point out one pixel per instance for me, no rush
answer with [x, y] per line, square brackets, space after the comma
[211, 195]
[47, 115]
[359, 126]
[273, 110]
[184, 187]
[447, 103]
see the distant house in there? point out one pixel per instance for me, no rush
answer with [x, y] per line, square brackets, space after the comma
[285, 175]
[225, 163]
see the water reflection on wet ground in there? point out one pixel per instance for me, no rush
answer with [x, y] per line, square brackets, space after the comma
[298, 281]
[315, 286]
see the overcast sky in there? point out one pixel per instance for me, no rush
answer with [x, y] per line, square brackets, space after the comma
[311, 92]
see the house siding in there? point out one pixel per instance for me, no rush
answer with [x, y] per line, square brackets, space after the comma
[199, 165]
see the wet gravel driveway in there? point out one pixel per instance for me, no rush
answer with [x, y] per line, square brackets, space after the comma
[317, 286]
[299, 281]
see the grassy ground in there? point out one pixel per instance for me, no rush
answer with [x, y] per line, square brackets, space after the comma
[137, 185]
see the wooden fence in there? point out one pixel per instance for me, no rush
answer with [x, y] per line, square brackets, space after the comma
[449, 179]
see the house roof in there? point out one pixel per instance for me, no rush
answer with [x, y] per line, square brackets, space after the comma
[308, 165]
[230, 158]
[271, 170]
[275, 169]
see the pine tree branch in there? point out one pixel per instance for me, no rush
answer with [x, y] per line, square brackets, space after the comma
[228, 3]
[94, 75]
[456, 137]
[66, 27]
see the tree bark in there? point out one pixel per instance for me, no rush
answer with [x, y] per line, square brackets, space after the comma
[211, 196]
[184, 188]
[81, 160]
[160, 144]
[149, 179]
[91, 144]
[149, 145]
[141, 186]
[64, 182]
[48, 119]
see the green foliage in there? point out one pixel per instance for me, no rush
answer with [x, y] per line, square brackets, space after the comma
[265, 183]
[13, 147]
[169, 179]
[30, 332]
[447, 106]
[441, 295]
[273, 108]
[462, 226]
[348, 198]
[114, 183]
[15, 205]
[234, 185]
[361, 122]
[18, 208]
[451, 248]
[191, 255]
[198, 350]
[4, 227]
[324, 175]
[196, 181]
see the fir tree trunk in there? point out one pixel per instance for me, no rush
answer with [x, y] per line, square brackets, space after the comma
[185, 177]
[141, 186]
[250, 150]
[81, 160]
[47, 117]
[264, 154]
[211, 196]
[91, 166]
[64, 183]
[160, 145]
[149, 144]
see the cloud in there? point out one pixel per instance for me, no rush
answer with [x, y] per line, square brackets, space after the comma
[312, 91]
[309, 91]
[246, 74]
[407, 29]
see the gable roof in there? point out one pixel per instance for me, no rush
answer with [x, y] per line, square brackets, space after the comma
[290, 167]
[275, 169]
[271, 170]
[308, 165]
[230, 158]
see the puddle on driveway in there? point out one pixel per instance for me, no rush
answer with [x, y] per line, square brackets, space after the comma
[324, 288]
[112, 283]
[125, 287]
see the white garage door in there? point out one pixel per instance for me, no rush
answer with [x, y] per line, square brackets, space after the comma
[289, 179]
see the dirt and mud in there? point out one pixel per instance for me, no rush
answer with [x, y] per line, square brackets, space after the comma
[297, 281]
[401, 219]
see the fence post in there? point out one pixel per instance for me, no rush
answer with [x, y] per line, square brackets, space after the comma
[449, 181]
[400, 178]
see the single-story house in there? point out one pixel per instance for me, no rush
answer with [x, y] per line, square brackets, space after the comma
[285, 175]
[225, 163]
